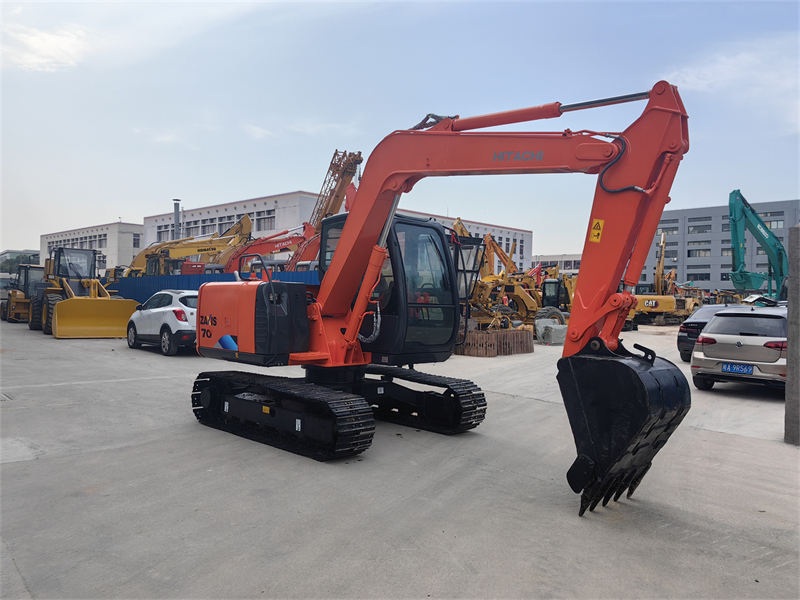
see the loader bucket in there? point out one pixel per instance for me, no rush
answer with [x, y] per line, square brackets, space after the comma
[622, 409]
[92, 317]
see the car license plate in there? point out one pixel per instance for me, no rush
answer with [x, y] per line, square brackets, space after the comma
[734, 368]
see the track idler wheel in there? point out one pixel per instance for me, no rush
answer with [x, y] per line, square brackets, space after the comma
[622, 409]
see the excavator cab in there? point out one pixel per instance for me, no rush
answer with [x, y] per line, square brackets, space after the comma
[417, 295]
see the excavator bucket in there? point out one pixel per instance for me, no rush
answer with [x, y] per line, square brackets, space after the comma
[92, 317]
[622, 409]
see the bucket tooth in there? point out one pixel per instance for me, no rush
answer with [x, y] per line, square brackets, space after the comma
[622, 408]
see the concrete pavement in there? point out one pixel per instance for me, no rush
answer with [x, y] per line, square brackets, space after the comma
[111, 489]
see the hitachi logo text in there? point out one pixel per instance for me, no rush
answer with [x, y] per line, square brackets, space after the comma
[518, 156]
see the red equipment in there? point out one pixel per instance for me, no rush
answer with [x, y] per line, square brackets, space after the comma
[268, 245]
[622, 407]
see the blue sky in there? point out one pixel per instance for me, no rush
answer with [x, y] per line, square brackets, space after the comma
[112, 109]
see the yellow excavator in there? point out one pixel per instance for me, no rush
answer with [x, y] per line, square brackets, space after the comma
[506, 300]
[167, 258]
[72, 303]
[654, 303]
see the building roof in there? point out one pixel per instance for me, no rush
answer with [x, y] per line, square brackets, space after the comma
[210, 206]
[92, 227]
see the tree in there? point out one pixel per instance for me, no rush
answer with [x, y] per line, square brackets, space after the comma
[10, 264]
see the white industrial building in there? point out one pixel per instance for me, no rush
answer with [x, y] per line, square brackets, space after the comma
[269, 214]
[273, 214]
[116, 243]
[566, 263]
[505, 236]
[119, 243]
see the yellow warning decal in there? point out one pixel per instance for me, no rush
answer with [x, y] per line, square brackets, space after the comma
[265, 409]
[596, 230]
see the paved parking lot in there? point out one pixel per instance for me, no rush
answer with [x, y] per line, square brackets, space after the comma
[111, 489]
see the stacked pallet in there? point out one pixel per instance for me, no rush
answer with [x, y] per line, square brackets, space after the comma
[495, 342]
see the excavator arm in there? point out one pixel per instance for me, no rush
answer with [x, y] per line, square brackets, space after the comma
[285, 240]
[743, 216]
[636, 169]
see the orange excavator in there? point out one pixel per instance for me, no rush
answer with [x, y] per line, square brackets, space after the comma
[388, 301]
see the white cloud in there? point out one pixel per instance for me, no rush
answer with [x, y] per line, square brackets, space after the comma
[54, 36]
[312, 127]
[37, 50]
[760, 74]
[255, 132]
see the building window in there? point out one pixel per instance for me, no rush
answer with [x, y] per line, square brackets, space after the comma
[670, 254]
[568, 264]
[644, 277]
[137, 241]
[265, 220]
[698, 219]
[762, 265]
[698, 253]
[667, 221]
[667, 230]
[700, 228]
[726, 226]
[727, 252]
[774, 224]
[726, 242]
[670, 243]
[764, 215]
[698, 276]
[700, 243]
[697, 267]
[576, 264]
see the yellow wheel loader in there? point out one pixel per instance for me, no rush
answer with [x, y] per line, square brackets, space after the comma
[16, 308]
[71, 302]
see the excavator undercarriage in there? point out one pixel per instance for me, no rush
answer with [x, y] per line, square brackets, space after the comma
[325, 419]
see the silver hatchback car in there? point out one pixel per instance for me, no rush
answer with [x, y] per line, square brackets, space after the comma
[746, 345]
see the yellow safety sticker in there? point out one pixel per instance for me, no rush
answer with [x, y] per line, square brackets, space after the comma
[265, 409]
[596, 231]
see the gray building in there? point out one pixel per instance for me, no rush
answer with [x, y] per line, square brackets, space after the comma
[698, 242]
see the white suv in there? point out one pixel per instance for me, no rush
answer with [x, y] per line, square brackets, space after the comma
[167, 319]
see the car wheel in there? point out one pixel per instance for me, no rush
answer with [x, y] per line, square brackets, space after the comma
[686, 356]
[701, 383]
[4, 311]
[132, 341]
[168, 345]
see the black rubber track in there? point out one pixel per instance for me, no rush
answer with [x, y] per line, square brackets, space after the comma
[351, 417]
